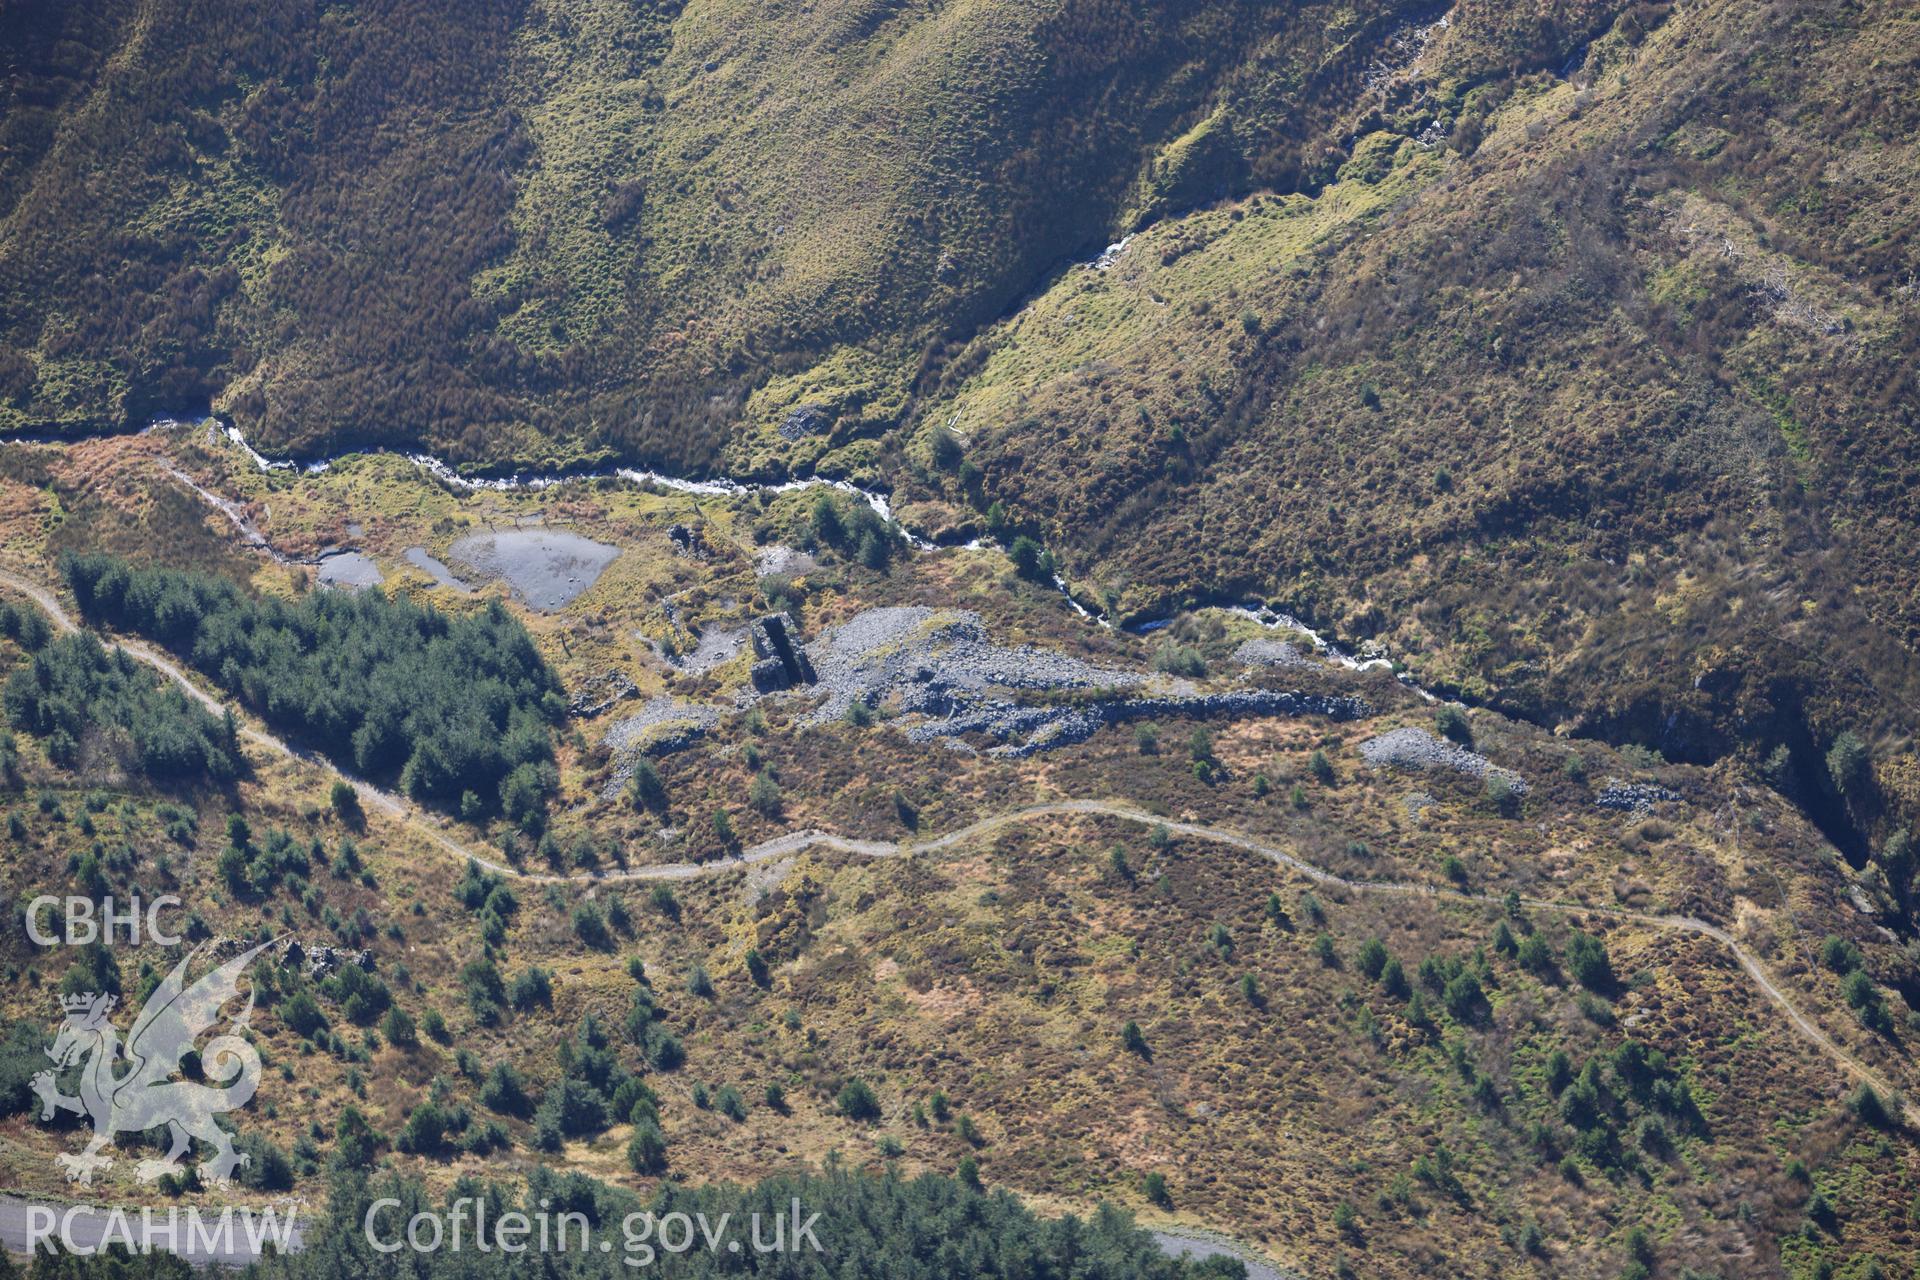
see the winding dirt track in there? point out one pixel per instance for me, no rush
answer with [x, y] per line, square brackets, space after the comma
[794, 842]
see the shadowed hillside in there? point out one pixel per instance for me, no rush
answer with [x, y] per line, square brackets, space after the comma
[537, 231]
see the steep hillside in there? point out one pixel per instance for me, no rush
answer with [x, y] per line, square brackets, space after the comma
[1601, 409]
[529, 231]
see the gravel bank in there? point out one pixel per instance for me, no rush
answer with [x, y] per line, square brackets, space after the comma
[1270, 653]
[715, 646]
[775, 560]
[1417, 749]
[935, 660]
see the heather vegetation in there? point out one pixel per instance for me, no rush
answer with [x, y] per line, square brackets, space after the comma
[1527, 1085]
[1492, 340]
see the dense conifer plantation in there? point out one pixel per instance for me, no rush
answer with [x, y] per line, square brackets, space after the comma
[76, 694]
[457, 710]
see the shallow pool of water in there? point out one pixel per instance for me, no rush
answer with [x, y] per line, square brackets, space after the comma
[546, 568]
[420, 559]
[348, 569]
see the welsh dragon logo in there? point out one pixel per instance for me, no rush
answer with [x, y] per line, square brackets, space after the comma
[143, 1094]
